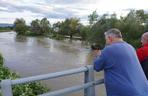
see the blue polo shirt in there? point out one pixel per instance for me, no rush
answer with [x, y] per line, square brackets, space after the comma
[122, 71]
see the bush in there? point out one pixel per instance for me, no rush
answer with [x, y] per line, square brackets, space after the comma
[57, 36]
[1, 60]
[29, 89]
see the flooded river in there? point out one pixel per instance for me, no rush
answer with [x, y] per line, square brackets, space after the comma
[30, 56]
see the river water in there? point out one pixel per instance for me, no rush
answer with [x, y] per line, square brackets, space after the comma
[30, 56]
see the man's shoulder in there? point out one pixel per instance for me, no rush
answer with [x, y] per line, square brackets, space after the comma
[108, 48]
[113, 45]
[119, 46]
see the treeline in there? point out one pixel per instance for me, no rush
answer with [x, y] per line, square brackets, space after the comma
[38, 27]
[5, 29]
[132, 26]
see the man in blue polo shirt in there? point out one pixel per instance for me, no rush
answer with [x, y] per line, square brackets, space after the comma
[123, 74]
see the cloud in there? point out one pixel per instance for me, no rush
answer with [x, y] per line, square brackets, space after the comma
[57, 11]
[71, 2]
[4, 10]
[61, 9]
[19, 8]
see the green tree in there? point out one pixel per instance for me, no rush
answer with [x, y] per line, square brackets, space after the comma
[83, 32]
[35, 27]
[96, 33]
[142, 16]
[41, 27]
[56, 31]
[146, 26]
[92, 18]
[69, 27]
[45, 26]
[132, 28]
[74, 26]
[20, 26]
[56, 27]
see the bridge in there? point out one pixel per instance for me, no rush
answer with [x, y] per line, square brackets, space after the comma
[88, 86]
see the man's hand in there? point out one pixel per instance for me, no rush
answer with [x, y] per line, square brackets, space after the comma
[96, 53]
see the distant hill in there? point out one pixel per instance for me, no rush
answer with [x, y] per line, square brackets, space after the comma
[6, 25]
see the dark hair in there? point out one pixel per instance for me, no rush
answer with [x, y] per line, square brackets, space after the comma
[95, 47]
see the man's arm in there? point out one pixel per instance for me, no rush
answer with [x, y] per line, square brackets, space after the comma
[140, 54]
[99, 62]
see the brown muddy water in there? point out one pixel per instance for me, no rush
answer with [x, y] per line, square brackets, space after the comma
[29, 56]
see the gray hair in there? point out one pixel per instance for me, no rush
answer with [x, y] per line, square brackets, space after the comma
[114, 32]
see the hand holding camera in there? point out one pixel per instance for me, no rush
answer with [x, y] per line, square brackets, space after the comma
[96, 50]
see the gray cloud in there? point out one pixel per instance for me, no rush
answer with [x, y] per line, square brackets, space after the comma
[17, 8]
[4, 10]
[61, 10]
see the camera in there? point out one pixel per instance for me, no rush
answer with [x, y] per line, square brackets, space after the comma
[95, 47]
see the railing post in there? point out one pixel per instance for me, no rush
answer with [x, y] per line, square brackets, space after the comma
[89, 76]
[6, 88]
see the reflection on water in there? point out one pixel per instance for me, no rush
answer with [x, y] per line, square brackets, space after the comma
[20, 38]
[30, 56]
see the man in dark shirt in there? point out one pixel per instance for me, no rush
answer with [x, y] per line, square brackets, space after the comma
[123, 73]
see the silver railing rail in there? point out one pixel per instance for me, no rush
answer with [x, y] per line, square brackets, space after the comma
[88, 86]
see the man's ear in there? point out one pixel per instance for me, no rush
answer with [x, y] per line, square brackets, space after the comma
[110, 38]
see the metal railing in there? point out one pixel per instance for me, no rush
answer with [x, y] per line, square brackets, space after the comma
[88, 86]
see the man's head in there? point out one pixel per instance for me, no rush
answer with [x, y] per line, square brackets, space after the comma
[144, 38]
[113, 35]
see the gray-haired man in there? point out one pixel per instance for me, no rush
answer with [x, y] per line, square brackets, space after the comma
[123, 73]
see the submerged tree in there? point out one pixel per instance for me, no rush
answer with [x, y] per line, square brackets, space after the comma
[20, 26]
[69, 27]
[84, 32]
[40, 27]
[45, 26]
[35, 27]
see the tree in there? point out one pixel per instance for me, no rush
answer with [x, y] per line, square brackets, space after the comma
[69, 27]
[45, 26]
[144, 17]
[96, 33]
[74, 25]
[141, 15]
[20, 26]
[92, 18]
[35, 27]
[146, 26]
[83, 32]
[40, 27]
[56, 27]
[132, 28]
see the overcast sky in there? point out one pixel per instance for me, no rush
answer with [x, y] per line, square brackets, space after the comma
[57, 10]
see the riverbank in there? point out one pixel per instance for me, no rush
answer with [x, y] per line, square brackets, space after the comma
[5, 30]
[30, 89]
